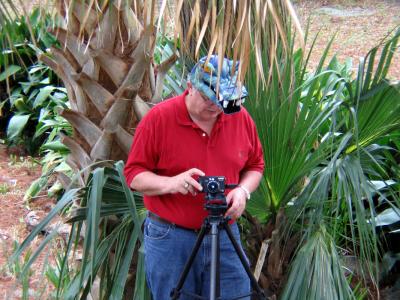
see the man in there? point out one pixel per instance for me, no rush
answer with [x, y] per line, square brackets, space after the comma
[195, 134]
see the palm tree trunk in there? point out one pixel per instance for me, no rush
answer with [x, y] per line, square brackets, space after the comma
[105, 62]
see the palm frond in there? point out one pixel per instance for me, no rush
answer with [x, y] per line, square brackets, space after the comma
[8, 11]
[317, 271]
[230, 29]
[340, 190]
[108, 196]
[107, 253]
[290, 116]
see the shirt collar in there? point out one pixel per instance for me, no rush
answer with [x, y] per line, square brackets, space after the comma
[182, 114]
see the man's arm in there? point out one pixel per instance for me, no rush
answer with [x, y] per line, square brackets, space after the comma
[238, 196]
[152, 184]
[250, 180]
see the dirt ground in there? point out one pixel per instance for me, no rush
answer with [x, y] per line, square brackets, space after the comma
[358, 25]
[16, 175]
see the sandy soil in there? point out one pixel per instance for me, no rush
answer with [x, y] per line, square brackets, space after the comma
[358, 25]
[16, 175]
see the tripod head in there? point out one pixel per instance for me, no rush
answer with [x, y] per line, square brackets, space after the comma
[214, 188]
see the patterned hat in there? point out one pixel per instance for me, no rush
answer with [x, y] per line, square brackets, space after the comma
[204, 78]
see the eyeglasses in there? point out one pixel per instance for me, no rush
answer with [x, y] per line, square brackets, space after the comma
[204, 97]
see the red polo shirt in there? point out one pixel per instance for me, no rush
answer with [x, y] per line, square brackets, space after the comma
[167, 142]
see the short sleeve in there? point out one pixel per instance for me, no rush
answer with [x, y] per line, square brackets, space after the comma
[255, 161]
[143, 154]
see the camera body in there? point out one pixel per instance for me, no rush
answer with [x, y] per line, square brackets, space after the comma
[214, 188]
[212, 184]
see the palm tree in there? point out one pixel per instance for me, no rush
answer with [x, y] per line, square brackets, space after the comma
[106, 60]
[323, 136]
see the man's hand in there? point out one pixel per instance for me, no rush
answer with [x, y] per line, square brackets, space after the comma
[184, 183]
[237, 200]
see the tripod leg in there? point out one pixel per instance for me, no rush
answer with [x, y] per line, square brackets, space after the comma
[175, 293]
[214, 271]
[243, 260]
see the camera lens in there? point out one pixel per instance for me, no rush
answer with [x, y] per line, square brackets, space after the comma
[213, 187]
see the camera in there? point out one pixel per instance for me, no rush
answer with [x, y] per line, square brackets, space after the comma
[212, 184]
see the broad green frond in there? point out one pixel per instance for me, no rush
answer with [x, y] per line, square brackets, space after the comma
[317, 271]
[290, 116]
[107, 253]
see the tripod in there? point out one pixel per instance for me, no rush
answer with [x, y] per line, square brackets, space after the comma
[213, 223]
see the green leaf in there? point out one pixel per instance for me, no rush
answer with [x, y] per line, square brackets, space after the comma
[317, 272]
[43, 95]
[21, 106]
[90, 246]
[26, 86]
[35, 188]
[9, 71]
[45, 81]
[117, 290]
[38, 251]
[55, 146]
[142, 292]
[16, 125]
[63, 167]
[35, 17]
[388, 217]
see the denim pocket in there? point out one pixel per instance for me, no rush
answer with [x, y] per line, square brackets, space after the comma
[156, 231]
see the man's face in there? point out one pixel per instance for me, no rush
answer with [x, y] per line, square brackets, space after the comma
[204, 108]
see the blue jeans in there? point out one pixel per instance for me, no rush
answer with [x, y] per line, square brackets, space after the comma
[167, 249]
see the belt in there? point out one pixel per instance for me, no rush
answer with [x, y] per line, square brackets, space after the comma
[154, 217]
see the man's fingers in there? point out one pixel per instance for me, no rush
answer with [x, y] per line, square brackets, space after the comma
[192, 181]
[184, 191]
[195, 184]
[193, 191]
[231, 212]
[228, 212]
[195, 171]
[236, 208]
[229, 198]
